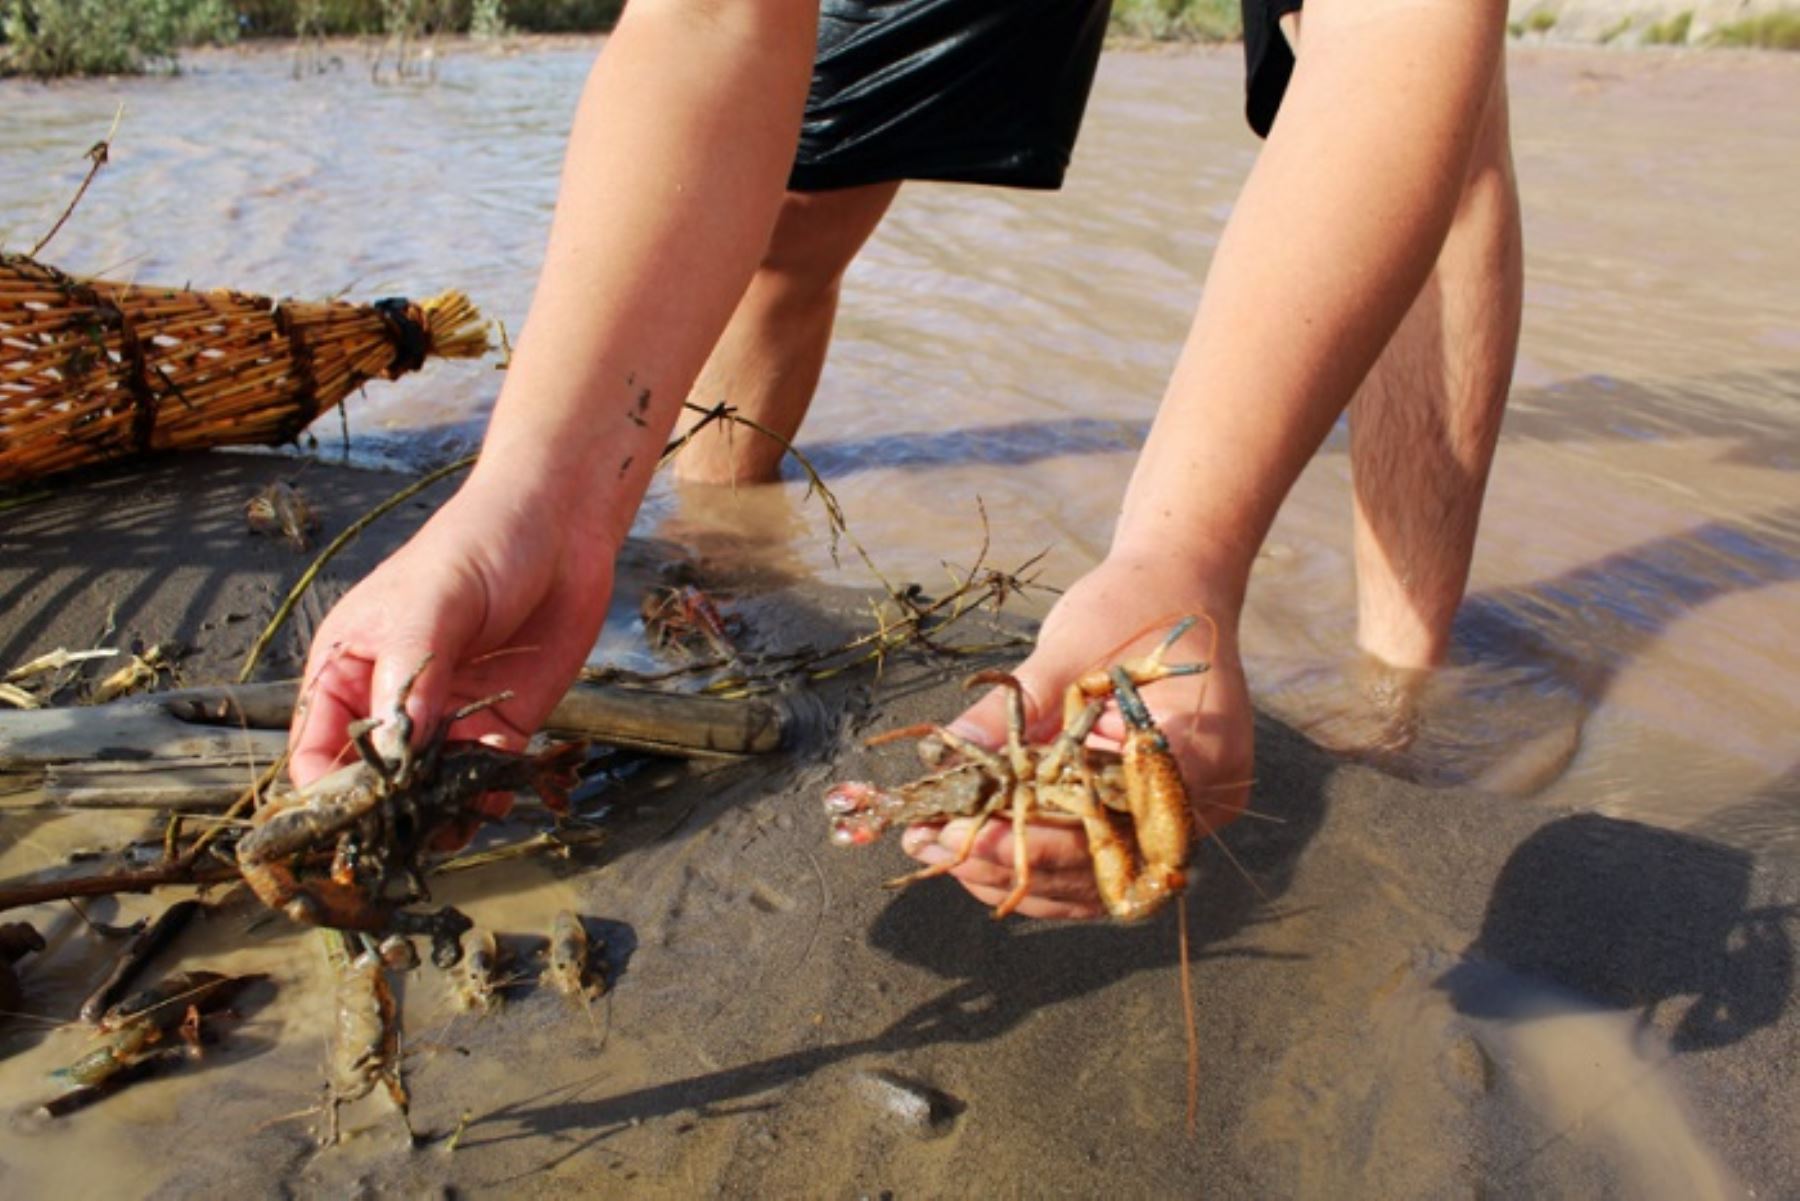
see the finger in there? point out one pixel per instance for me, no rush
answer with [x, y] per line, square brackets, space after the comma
[490, 725]
[1043, 677]
[455, 835]
[1038, 907]
[333, 695]
[1047, 848]
[412, 674]
[1057, 859]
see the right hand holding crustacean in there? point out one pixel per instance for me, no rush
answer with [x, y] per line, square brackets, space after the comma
[1120, 607]
[503, 596]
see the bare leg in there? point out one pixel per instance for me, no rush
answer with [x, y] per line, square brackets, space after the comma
[1424, 424]
[767, 362]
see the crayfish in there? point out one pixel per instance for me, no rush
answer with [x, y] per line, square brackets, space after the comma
[683, 616]
[1131, 803]
[379, 817]
[365, 1036]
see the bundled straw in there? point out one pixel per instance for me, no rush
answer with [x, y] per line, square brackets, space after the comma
[91, 371]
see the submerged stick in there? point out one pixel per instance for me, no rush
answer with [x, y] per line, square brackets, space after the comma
[554, 842]
[143, 946]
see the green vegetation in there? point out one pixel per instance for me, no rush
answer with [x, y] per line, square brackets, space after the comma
[487, 19]
[1541, 20]
[102, 37]
[48, 38]
[1771, 31]
[341, 18]
[1179, 20]
[1672, 32]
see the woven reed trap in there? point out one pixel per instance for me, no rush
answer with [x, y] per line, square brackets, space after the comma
[92, 371]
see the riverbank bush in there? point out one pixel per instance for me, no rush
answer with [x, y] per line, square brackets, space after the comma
[1771, 31]
[1179, 20]
[1672, 32]
[349, 18]
[48, 38]
[51, 38]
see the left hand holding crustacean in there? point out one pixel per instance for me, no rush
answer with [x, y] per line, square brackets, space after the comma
[493, 596]
[1118, 610]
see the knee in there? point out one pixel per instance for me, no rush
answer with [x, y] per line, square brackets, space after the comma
[1490, 160]
[817, 234]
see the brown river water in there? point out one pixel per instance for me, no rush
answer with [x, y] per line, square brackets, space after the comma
[1628, 646]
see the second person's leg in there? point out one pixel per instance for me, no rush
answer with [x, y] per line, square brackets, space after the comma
[767, 363]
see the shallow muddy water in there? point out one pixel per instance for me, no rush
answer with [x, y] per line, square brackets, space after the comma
[1640, 559]
[1628, 644]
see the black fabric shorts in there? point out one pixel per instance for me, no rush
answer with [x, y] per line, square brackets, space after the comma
[1268, 60]
[967, 91]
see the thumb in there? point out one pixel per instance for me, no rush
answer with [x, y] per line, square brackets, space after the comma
[411, 676]
[1043, 679]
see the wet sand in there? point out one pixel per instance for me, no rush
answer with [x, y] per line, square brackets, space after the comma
[1405, 992]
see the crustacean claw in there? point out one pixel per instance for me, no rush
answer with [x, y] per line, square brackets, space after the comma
[377, 819]
[1132, 804]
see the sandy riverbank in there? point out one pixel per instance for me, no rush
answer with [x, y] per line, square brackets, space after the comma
[1413, 993]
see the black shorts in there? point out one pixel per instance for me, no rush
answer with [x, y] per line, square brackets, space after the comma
[1268, 60]
[968, 91]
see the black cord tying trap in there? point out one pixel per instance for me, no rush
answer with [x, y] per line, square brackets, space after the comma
[412, 341]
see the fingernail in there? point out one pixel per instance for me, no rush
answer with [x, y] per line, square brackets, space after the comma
[956, 832]
[966, 730]
[931, 853]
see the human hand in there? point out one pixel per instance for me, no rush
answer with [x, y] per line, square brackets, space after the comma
[1117, 611]
[492, 596]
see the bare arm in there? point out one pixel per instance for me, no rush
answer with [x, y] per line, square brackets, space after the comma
[1334, 234]
[1332, 237]
[680, 148]
[675, 169]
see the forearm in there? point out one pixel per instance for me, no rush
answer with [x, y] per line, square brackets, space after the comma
[1332, 237]
[680, 148]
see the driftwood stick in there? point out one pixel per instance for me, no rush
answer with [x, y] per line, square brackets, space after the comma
[667, 722]
[17, 896]
[182, 761]
[675, 723]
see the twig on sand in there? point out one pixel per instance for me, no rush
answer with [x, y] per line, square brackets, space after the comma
[552, 842]
[251, 796]
[144, 879]
[56, 660]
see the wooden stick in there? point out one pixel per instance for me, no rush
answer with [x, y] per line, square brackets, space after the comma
[17, 896]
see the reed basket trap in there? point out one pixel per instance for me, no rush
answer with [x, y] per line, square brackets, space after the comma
[92, 371]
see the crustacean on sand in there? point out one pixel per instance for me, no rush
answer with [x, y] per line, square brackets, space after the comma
[365, 1035]
[134, 1034]
[569, 965]
[477, 983]
[1131, 803]
[681, 615]
[379, 817]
